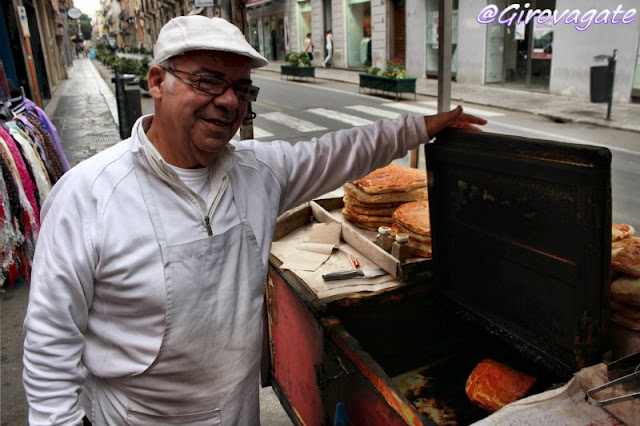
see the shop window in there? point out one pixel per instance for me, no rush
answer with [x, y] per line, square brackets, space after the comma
[359, 33]
[432, 38]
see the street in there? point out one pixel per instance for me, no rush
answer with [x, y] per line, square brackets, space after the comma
[295, 111]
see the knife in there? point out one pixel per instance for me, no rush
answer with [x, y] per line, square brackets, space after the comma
[353, 273]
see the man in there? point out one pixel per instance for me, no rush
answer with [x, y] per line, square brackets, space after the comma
[148, 278]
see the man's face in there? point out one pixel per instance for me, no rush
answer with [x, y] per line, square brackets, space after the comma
[197, 125]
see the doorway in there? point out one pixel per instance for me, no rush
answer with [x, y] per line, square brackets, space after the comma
[399, 29]
[528, 50]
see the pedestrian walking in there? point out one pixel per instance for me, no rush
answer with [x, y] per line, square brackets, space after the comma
[148, 279]
[329, 47]
[308, 46]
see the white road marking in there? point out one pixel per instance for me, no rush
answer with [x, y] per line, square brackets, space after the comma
[258, 133]
[292, 122]
[412, 108]
[374, 111]
[340, 116]
[470, 110]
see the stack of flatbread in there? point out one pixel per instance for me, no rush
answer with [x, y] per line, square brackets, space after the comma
[369, 202]
[413, 219]
[625, 264]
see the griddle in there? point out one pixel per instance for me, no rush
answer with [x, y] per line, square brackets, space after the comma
[521, 232]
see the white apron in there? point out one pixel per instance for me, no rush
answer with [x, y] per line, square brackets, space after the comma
[207, 369]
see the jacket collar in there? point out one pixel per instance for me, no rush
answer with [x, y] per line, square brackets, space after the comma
[140, 144]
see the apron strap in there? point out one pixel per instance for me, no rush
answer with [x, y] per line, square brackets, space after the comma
[152, 206]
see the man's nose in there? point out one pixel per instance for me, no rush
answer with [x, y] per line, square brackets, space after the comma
[227, 99]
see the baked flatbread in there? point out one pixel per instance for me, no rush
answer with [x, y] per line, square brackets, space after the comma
[626, 290]
[362, 197]
[625, 322]
[620, 231]
[392, 178]
[372, 211]
[350, 200]
[396, 228]
[628, 311]
[627, 258]
[414, 216]
[420, 245]
[367, 222]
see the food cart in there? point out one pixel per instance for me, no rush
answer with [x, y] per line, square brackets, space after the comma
[521, 233]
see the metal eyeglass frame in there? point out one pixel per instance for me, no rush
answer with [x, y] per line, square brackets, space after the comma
[243, 93]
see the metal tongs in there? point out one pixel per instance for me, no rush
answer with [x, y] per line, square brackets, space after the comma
[618, 370]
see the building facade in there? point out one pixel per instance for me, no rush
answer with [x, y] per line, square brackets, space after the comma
[35, 45]
[537, 54]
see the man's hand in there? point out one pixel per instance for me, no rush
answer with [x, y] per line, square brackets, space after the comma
[453, 118]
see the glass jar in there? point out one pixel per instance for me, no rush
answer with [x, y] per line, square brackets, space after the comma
[400, 249]
[383, 239]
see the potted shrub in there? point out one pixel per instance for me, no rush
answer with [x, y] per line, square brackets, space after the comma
[143, 69]
[299, 66]
[392, 79]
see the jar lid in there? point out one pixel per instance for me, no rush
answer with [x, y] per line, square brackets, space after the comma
[402, 238]
[384, 230]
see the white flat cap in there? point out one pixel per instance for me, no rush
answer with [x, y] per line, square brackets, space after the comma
[187, 33]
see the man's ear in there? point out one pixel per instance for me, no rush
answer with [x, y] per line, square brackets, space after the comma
[155, 77]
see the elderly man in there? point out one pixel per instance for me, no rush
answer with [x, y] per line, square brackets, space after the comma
[149, 273]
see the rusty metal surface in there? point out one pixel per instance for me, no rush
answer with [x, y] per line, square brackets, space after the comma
[521, 239]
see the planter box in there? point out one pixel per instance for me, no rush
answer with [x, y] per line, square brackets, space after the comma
[388, 84]
[298, 72]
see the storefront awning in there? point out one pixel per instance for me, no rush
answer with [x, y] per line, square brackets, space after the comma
[256, 3]
[196, 11]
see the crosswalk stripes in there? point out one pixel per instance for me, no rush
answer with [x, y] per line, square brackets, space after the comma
[340, 116]
[293, 122]
[374, 111]
[384, 110]
[412, 108]
[470, 110]
[258, 133]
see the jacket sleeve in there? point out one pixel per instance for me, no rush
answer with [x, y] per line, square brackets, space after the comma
[309, 169]
[59, 299]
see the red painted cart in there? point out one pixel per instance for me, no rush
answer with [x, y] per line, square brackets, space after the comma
[521, 240]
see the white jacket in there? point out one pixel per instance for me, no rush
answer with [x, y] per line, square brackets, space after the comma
[97, 296]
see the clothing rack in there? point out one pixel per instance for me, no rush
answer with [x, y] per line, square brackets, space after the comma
[31, 162]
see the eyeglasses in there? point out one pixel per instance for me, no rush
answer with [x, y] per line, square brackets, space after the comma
[215, 85]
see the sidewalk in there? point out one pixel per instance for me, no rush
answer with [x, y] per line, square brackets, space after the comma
[624, 116]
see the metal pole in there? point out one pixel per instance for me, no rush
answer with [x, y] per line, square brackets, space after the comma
[612, 72]
[444, 54]
[246, 128]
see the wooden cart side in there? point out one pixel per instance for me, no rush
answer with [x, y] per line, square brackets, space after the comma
[296, 345]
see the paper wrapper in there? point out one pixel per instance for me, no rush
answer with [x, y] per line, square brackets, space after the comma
[594, 376]
[557, 407]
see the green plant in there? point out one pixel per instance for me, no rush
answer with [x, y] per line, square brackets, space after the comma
[128, 65]
[143, 67]
[375, 71]
[395, 69]
[298, 59]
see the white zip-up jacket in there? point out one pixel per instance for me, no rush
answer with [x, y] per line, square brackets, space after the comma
[97, 297]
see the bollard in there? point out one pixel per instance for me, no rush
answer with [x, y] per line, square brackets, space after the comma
[602, 79]
[129, 105]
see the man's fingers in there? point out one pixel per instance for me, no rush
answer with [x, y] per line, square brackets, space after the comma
[454, 118]
[472, 119]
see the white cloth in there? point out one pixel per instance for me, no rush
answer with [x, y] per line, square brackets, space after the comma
[225, 313]
[98, 296]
